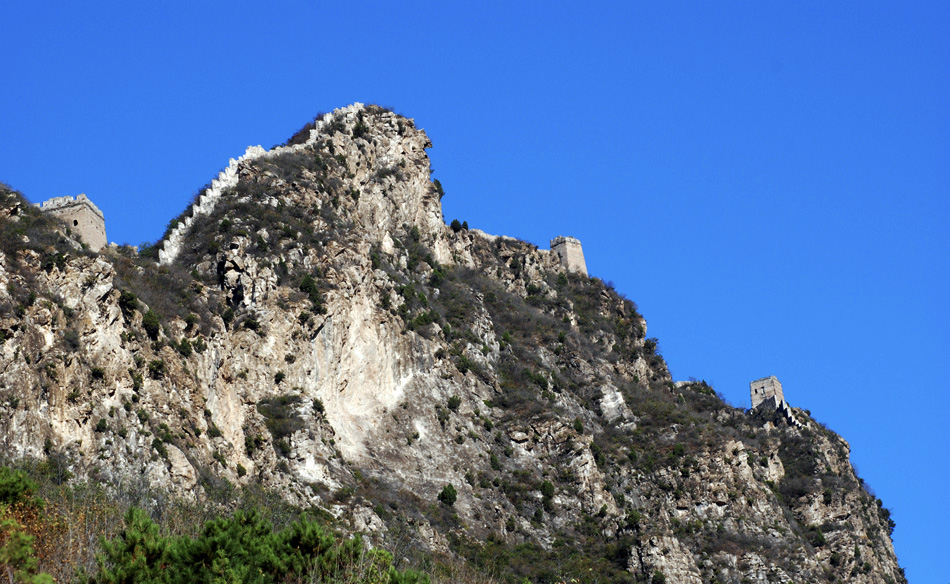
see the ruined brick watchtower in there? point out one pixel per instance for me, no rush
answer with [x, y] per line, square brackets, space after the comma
[570, 253]
[81, 216]
[766, 388]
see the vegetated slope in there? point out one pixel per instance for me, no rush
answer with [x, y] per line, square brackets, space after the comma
[323, 333]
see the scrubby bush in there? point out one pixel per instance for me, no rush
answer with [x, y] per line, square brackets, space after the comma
[547, 489]
[157, 369]
[151, 324]
[309, 287]
[127, 302]
[16, 488]
[71, 339]
[448, 495]
[303, 134]
[280, 416]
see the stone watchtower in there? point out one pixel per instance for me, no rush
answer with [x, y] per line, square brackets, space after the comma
[570, 253]
[766, 388]
[81, 216]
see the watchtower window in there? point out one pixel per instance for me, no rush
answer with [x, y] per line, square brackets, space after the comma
[75, 222]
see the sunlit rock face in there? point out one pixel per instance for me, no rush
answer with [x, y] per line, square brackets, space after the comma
[314, 326]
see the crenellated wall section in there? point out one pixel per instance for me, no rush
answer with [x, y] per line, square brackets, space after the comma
[228, 178]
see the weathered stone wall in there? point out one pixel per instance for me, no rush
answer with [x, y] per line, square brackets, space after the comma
[571, 254]
[81, 216]
[765, 388]
[228, 178]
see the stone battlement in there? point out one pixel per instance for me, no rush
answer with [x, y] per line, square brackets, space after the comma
[58, 203]
[81, 216]
[228, 178]
[570, 253]
[560, 239]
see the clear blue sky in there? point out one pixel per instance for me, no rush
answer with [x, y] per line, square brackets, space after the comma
[768, 181]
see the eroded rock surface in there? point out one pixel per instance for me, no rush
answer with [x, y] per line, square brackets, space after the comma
[325, 334]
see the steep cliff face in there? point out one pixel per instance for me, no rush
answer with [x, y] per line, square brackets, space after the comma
[315, 327]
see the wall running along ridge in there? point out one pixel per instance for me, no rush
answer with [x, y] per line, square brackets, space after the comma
[228, 178]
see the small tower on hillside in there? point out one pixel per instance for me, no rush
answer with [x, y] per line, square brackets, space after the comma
[81, 216]
[768, 391]
[766, 388]
[570, 253]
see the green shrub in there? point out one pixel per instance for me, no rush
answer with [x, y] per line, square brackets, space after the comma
[815, 537]
[442, 415]
[16, 488]
[280, 418]
[151, 324]
[547, 490]
[242, 548]
[309, 287]
[448, 495]
[159, 447]
[128, 302]
[157, 369]
[454, 403]
[184, 347]
[136, 380]
[71, 339]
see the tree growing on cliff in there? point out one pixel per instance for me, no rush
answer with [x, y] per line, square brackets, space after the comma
[448, 495]
[151, 324]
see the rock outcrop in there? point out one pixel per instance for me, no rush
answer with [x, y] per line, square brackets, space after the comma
[315, 327]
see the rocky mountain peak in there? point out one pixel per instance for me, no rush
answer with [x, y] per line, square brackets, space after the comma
[362, 152]
[311, 327]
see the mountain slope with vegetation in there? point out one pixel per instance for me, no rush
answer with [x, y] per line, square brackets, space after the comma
[452, 395]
